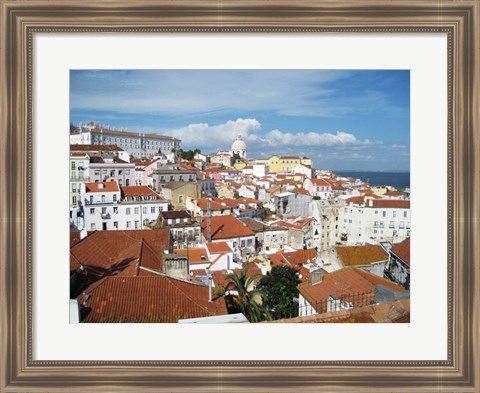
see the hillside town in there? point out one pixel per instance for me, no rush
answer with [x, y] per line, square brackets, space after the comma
[165, 235]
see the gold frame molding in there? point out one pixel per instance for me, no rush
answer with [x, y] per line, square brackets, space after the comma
[20, 20]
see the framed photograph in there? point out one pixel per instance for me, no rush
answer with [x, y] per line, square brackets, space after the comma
[379, 87]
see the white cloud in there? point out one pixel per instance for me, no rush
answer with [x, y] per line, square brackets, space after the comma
[210, 138]
[398, 147]
[218, 137]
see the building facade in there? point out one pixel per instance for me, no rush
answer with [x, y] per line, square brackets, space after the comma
[106, 206]
[137, 144]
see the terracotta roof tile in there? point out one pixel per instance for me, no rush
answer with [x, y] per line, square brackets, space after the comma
[225, 227]
[133, 191]
[391, 203]
[218, 247]
[195, 255]
[104, 252]
[108, 186]
[349, 285]
[157, 299]
[402, 250]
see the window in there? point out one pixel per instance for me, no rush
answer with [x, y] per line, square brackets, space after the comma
[137, 224]
[91, 199]
[136, 210]
[92, 211]
[120, 182]
[405, 214]
[129, 224]
[394, 213]
[112, 173]
[249, 242]
[127, 210]
[144, 210]
[104, 210]
[127, 182]
[242, 244]
[73, 165]
[114, 197]
[97, 172]
[74, 187]
[115, 210]
[384, 213]
[92, 227]
[104, 171]
[127, 171]
[152, 209]
[74, 200]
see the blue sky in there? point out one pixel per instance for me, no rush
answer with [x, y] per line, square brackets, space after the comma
[341, 119]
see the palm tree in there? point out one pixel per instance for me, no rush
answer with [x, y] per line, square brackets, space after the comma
[249, 303]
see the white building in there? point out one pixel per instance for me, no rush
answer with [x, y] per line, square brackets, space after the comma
[136, 144]
[111, 169]
[239, 147]
[366, 220]
[106, 206]
[79, 164]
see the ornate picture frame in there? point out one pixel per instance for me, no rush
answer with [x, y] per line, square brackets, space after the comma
[20, 20]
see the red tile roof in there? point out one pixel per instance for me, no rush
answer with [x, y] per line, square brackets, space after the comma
[218, 247]
[391, 203]
[133, 191]
[349, 285]
[202, 203]
[195, 255]
[320, 182]
[175, 214]
[402, 250]
[156, 299]
[109, 252]
[108, 186]
[225, 227]
[361, 255]
[294, 258]
[95, 148]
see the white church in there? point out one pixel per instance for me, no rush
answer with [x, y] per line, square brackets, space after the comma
[239, 147]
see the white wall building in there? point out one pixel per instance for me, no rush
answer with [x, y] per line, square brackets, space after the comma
[106, 206]
[137, 144]
[365, 220]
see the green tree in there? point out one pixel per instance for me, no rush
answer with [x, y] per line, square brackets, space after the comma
[234, 159]
[248, 302]
[281, 292]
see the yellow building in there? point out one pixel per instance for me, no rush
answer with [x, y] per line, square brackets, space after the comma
[287, 163]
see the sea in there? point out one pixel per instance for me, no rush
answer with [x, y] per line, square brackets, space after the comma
[399, 180]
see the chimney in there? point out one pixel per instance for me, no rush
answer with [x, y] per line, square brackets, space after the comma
[316, 276]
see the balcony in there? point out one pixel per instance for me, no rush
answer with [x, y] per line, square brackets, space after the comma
[106, 216]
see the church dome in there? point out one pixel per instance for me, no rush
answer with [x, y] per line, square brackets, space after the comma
[239, 144]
